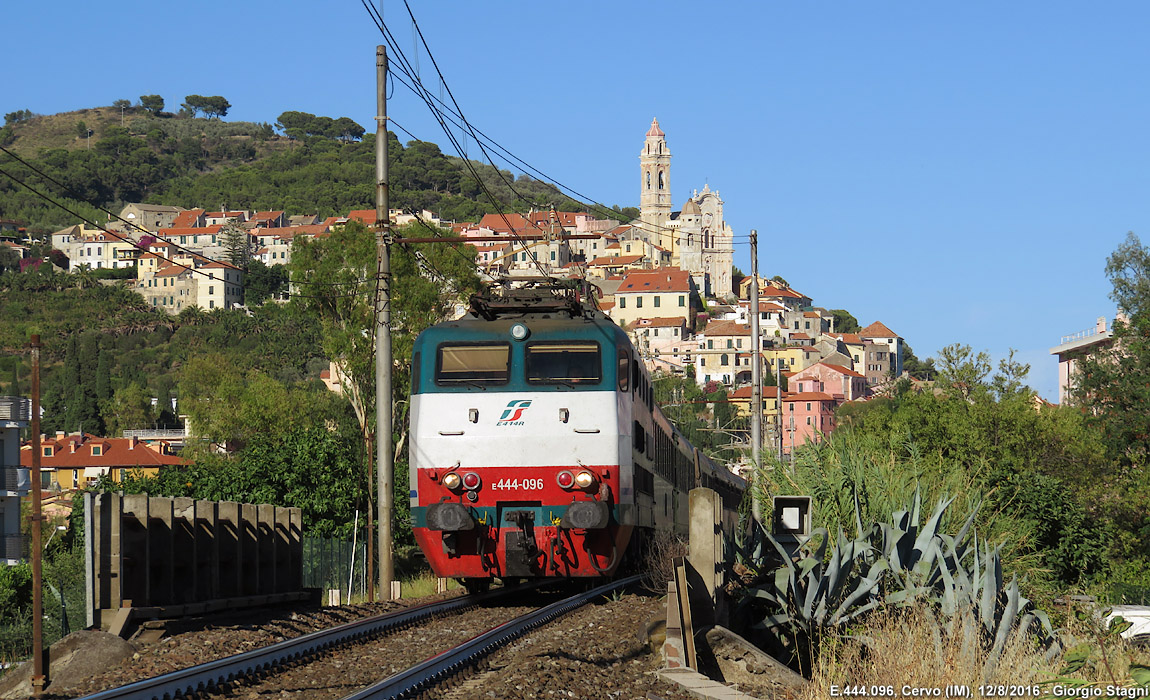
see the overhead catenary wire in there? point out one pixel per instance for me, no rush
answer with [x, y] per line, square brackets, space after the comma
[425, 95]
[648, 227]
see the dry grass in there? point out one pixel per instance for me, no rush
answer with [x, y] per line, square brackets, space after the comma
[658, 563]
[910, 647]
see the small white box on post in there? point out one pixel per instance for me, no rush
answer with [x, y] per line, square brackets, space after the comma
[791, 522]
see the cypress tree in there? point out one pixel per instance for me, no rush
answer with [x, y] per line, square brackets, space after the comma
[103, 378]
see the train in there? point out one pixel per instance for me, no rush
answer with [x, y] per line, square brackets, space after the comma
[536, 447]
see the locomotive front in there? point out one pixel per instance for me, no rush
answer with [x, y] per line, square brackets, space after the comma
[520, 447]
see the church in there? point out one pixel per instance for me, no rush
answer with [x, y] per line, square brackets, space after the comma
[699, 239]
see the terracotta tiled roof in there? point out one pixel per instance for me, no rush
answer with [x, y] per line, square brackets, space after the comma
[877, 330]
[614, 261]
[186, 218]
[537, 222]
[115, 452]
[367, 216]
[666, 279]
[744, 393]
[657, 322]
[809, 396]
[197, 231]
[773, 291]
[219, 265]
[288, 232]
[800, 336]
[842, 370]
[171, 271]
[811, 314]
[723, 328]
[763, 305]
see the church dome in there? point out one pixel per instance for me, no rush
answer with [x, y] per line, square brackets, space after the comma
[655, 130]
[691, 208]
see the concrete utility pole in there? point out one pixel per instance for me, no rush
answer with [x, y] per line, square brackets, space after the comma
[385, 450]
[756, 381]
[779, 404]
[38, 676]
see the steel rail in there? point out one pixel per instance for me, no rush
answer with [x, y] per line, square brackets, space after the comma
[441, 665]
[205, 676]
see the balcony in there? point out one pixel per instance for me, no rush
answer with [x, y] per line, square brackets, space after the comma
[15, 409]
[15, 481]
[13, 548]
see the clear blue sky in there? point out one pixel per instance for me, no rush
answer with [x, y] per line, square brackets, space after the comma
[958, 171]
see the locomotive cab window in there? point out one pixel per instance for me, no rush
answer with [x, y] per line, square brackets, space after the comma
[563, 363]
[473, 364]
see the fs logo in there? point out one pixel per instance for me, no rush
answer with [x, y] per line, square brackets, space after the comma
[513, 412]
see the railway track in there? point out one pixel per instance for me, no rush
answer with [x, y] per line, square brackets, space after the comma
[223, 674]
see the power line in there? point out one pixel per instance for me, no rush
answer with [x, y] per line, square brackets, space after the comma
[190, 268]
[132, 224]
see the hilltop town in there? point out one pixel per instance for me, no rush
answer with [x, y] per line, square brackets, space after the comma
[667, 277]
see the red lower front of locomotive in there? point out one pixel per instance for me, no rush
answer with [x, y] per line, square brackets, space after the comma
[521, 522]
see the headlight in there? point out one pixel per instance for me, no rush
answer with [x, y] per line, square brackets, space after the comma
[519, 331]
[452, 480]
[584, 479]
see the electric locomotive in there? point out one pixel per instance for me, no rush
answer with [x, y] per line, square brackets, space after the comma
[536, 447]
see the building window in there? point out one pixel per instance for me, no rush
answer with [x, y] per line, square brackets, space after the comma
[211, 290]
[723, 359]
[46, 452]
[710, 344]
[682, 300]
[638, 302]
[622, 302]
[97, 450]
[657, 302]
[808, 405]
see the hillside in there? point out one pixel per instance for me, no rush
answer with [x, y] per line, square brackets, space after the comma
[199, 162]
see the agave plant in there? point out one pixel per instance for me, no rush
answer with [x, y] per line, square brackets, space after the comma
[823, 589]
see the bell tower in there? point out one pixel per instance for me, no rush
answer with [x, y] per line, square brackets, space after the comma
[655, 192]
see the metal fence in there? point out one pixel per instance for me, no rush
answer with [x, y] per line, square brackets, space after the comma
[63, 608]
[329, 563]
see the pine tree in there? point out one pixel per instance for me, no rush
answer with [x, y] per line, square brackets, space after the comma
[236, 242]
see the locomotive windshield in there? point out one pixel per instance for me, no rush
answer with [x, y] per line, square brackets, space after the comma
[473, 364]
[562, 363]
